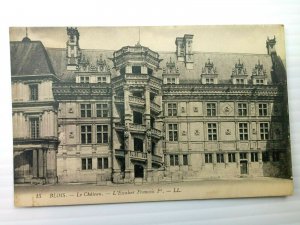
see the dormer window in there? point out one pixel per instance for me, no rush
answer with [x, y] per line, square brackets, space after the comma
[170, 73]
[209, 73]
[239, 74]
[259, 75]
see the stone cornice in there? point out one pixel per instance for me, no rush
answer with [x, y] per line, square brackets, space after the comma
[33, 78]
[75, 90]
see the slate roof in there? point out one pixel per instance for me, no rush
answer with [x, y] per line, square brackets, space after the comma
[223, 61]
[29, 58]
[53, 60]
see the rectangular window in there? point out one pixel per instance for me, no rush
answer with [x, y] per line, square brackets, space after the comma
[231, 157]
[172, 109]
[209, 81]
[102, 134]
[85, 110]
[212, 131]
[185, 160]
[208, 157]
[136, 69]
[242, 109]
[86, 163]
[254, 157]
[86, 134]
[84, 79]
[263, 109]
[276, 156]
[173, 132]
[243, 130]
[220, 158]
[211, 109]
[34, 128]
[239, 81]
[264, 131]
[259, 81]
[171, 81]
[103, 163]
[101, 80]
[265, 156]
[34, 92]
[102, 110]
[174, 160]
[243, 155]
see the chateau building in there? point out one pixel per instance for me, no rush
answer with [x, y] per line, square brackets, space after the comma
[136, 115]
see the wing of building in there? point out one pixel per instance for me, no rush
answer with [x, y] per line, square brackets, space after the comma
[136, 115]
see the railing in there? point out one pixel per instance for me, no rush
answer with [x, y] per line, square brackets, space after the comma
[137, 77]
[138, 127]
[156, 132]
[135, 49]
[155, 107]
[157, 158]
[132, 154]
[136, 154]
[137, 100]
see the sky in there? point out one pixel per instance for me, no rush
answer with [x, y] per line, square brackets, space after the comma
[235, 39]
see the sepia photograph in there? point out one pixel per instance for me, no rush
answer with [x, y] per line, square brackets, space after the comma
[134, 114]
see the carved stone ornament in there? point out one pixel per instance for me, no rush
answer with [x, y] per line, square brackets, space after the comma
[148, 133]
[227, 109]
[228, 132]
[71, 110]
[253, 131]
[71, 135]
[126, 134]
[197, 132]
[182, 109]
[195, 109]
[183, 133]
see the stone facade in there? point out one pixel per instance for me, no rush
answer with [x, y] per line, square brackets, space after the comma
[135, 115]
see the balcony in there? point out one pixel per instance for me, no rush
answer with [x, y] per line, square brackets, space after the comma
[137, 101]
[155, 107]
[141, 156]
[137, 127]
[135, 155]
[156, 133]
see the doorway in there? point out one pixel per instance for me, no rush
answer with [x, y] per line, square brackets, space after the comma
[137, 117]
[244, 167]
[138, 171]
[138, 145]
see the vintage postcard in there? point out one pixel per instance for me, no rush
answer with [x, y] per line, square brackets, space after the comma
[129, 114]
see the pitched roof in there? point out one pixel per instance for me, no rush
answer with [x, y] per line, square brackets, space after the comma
[29, 58]
[224, 63]
[58, 59]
